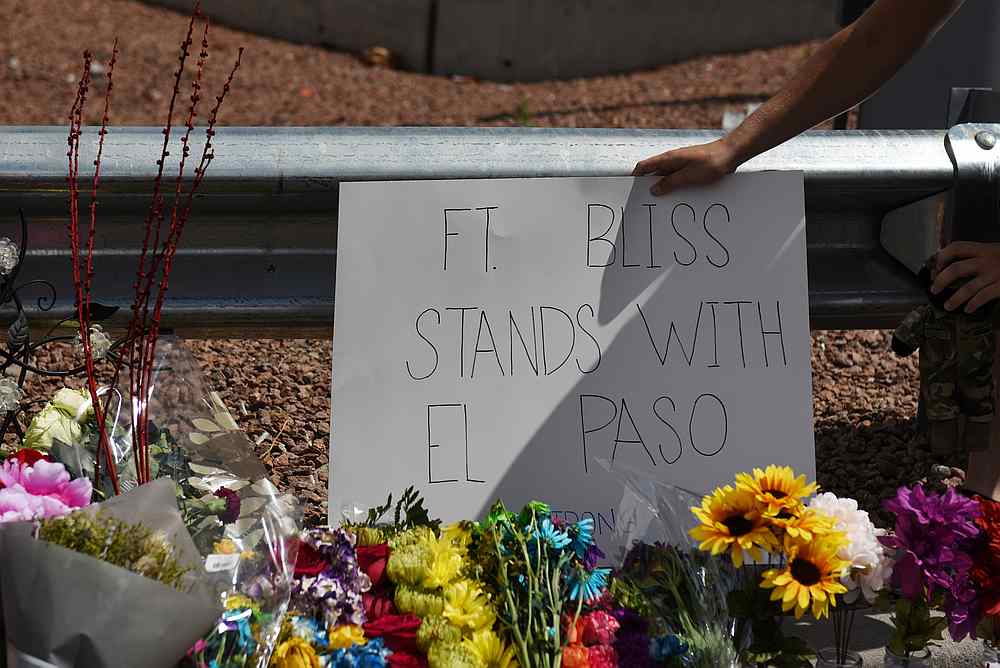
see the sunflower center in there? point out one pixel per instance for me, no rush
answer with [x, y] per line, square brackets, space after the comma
[738, 525]
[805, 572]
[776, 493]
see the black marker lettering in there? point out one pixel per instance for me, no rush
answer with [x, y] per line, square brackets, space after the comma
[671, 334]
[534, 340]
[590, 430]
[461, 338]
[652, 256]
[624, 234]
[764, 333]
[449, 234]
[569, 352]
[638, 437]
[487, 209]
[656, 412]
[493, 345]
[600, 237]
[725, 425]
[590, 336]
[433, 348]
[431, 444]
[725, 250]
[673, 223]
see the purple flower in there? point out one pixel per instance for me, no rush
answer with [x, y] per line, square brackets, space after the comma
[232, 511]
[334, 595]
[592, 557]
[961, 607]
[931, 539]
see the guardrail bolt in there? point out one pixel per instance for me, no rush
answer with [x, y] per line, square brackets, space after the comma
[986, 139]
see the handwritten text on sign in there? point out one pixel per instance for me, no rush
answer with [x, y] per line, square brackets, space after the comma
[496, 338]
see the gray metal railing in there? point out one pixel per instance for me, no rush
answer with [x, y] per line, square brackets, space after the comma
[259, 254]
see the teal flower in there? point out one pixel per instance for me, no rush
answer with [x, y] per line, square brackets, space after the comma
[583, 536]
[549, 534]
[590, 586]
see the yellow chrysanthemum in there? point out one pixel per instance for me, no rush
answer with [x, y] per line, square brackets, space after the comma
[458, 534]
[234, 601]
[802, 524]
[295, 653]
[810, 579]
[447, 560]
[467, 607]
[776, 488]
[730, 520]
[346, 635]
[491, 651]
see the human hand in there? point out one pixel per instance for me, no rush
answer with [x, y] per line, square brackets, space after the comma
[977, 262]
[690, 166]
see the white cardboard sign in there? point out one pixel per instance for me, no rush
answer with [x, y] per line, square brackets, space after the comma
[497, 338]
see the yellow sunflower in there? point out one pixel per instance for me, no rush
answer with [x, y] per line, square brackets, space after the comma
[776, 488]
[810, 578]
[802, 524]
[730, 520]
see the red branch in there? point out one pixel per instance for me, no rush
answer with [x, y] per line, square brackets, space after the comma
[155, 260]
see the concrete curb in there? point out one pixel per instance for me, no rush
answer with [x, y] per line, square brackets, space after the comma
[530, 40]
[871, 633]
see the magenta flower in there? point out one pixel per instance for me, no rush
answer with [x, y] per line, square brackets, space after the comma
[933, 541]
[39, 491]
[232, 510]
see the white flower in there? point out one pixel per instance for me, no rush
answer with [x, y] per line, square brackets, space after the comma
[74, 403]
[8, 256]
[870, 565]
[10, 394]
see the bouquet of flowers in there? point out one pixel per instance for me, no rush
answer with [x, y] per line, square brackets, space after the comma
[68, 579]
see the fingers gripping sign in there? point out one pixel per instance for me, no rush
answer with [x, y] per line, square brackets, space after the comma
[972, 270]
[687, 167]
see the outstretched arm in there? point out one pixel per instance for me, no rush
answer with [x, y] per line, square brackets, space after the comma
[851, 66]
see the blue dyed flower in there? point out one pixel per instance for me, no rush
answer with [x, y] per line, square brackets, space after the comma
[666, 647]
[373, 654]
[583, 536]
[590, 586]
[549, 534]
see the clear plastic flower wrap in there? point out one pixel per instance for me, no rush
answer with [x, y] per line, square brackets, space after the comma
[244, 529]
[684, 591]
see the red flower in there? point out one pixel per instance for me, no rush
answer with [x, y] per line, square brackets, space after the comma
[377, 606]
[308, 561]
[405, 660]
[602, 656]
[28, 457]
[599, 628]
[398, 631]
[372, 559]
[986, 570]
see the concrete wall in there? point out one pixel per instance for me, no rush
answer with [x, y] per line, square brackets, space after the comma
[404, 26]
[528, 40]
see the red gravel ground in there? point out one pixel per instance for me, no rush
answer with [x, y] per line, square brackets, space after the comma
[279, 391]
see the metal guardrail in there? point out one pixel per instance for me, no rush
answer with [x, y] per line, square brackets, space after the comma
[258, 255]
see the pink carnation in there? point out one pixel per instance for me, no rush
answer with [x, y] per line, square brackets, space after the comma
[40, 491]
[599, 628]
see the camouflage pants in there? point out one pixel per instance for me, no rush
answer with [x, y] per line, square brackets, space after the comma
[956, 366]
